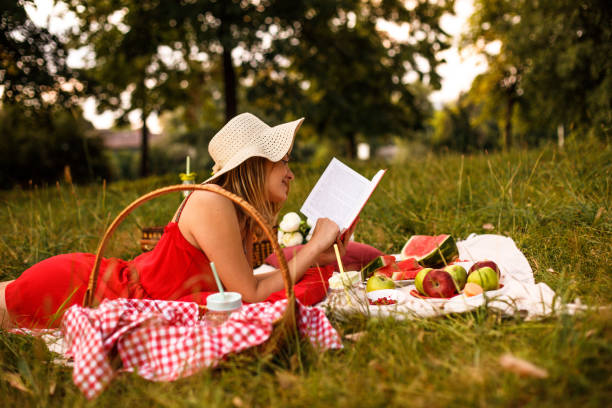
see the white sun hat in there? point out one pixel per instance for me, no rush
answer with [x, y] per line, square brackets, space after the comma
[246, 136]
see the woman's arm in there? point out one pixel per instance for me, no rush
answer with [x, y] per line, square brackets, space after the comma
[324, 258]
[209, 222]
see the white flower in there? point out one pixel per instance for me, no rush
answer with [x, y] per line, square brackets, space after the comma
[311, 223]
[309, 234]
[279, 236]
[291, 239]
[290, 223]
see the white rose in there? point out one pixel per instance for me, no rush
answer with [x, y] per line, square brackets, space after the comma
[279, 236]
[311, 222]
[291, 222]
[292, 238]
[309, 234]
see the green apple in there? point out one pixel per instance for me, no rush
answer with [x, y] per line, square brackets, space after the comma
[378, 282]
[418, 280]
[459, 275]
[485, 277]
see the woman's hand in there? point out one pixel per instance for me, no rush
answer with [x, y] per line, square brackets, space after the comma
[325, 233]
[328, 255]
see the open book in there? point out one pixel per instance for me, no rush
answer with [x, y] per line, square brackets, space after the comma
[340, 194]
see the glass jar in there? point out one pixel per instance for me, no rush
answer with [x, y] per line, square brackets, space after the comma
[187, 178]
[220, 306]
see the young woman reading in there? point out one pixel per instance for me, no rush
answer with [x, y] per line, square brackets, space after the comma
[252, 161]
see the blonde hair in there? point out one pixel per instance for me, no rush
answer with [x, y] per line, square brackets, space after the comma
[248, 181]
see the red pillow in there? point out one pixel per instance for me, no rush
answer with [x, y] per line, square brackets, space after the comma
[357, 256]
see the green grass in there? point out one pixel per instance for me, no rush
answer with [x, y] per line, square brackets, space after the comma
[554, 204]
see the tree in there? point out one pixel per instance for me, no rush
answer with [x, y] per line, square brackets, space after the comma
[350, 78]
[127, 71]
[33, 69]
[553, 61]
[42, 129]
[460, 127]
[496, 93]
[127, 38]
[208, 37]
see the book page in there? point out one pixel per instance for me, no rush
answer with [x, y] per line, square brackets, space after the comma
[338, 195]
[367, 193]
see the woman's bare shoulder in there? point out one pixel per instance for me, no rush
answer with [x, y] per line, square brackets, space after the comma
[207, 212]
[209, 197]
[207, 202]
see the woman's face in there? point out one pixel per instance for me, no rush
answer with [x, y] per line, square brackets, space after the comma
[279, 180]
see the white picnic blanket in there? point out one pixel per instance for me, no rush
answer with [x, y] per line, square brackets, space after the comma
[519, 294]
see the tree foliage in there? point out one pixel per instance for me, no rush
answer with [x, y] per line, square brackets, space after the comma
[553, 67]
[33, 69]
[454, 127]
[42, 129]
[127, 72]
[337, 67]
[325, 60]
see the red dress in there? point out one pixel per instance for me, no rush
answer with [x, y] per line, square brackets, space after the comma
[173, 270]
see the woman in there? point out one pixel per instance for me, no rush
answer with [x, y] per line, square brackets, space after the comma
[252, 161]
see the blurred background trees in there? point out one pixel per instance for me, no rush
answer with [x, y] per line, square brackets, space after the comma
[197, 63]
[553, 69]
[42, 129]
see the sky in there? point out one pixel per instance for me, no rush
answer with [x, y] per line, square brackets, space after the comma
[457, 73]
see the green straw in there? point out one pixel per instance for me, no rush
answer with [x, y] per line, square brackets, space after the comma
[219, 285]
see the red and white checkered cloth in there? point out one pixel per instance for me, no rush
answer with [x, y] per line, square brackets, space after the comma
[165, 340]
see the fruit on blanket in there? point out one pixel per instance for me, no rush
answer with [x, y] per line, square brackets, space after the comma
[408, 269]
[472, 289]
[485, 277]
[418, 280]
[484, 264]
[388, 270]
[459, 275]
[431, 251]
[379, 282]
[439, 284]
[376, 264]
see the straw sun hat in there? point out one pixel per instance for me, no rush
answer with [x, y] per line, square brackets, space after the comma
[246, 136]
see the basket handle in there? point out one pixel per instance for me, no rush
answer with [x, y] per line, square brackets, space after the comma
[248, 208]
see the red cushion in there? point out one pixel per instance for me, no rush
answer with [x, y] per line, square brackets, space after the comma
[357, 255]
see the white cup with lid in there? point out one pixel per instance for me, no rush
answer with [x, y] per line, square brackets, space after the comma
[220, 306]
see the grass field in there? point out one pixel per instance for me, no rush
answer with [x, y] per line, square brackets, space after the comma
[554, 203]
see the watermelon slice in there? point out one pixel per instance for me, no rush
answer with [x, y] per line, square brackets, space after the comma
[401, 275]
[388, 270]
[408, 269]
[376, 264]
[431, 251]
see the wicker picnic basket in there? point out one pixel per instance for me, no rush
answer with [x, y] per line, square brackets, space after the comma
[150, 236]
[284, 326]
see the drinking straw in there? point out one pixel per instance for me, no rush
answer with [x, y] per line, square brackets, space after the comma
[187, 172]
[216, 275]
[339, 261]
[343, 276]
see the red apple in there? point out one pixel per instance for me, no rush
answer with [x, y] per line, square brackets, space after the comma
[439, 284]
[459, 275]
[418, 281]
[485, 264]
